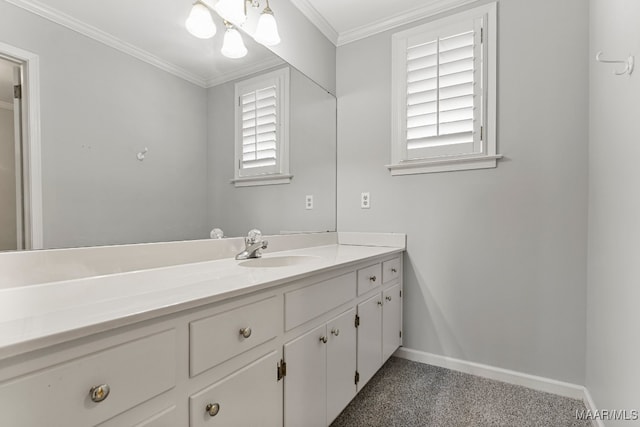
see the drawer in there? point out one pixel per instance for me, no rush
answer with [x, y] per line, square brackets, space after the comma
[59, 396]
[251, 396]
[218, 338]
[309, 302]
[390, 270]
[369, 278]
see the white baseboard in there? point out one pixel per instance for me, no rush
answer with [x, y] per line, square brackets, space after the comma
[548, 385]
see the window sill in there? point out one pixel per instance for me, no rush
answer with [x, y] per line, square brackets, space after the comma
[251, 181]
[411, 167]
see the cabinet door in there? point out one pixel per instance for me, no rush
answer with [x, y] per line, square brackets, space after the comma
[369, 338]
[341, 363]
[391, 321]
[305, 384]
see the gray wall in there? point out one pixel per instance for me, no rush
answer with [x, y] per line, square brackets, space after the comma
[495, 268]
[99, 108]
[613, 349]
[276, 208]
[8, 237]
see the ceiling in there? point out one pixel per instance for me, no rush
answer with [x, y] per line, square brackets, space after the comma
[344, 21]
[154, 30]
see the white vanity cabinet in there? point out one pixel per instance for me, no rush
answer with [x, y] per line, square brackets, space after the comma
[379, 321]
[321, 368]
[290, 354]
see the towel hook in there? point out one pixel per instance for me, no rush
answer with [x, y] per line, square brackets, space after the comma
[141, 155]
[628, 63]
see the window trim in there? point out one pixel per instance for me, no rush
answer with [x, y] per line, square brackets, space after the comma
[488, 156]
[280, 173]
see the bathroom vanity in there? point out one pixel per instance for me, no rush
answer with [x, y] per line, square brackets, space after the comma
[287, 339]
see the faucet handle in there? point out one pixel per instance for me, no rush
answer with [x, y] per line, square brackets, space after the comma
[254, 235]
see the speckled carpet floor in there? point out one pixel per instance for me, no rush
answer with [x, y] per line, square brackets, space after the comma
[407, 394]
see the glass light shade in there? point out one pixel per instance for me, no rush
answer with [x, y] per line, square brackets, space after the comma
[233, 47]
[267, 29]
[231, 10]
[200, 23]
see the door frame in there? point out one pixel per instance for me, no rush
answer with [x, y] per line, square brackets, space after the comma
[31, 143]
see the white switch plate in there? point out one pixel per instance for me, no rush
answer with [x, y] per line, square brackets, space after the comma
[365, 200]
[308, 202]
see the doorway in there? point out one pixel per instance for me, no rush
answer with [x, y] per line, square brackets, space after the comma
[12, 231]
[20, 154]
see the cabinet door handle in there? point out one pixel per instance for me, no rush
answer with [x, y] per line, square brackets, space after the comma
[323, 339]
[380, 303]
[388, 298]
[372, 278]
[393, 270]
[335, 331]
[99, 393]
[213, 409]
[245, 332]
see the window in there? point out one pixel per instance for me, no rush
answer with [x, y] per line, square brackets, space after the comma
[262, 130]
[443, 89]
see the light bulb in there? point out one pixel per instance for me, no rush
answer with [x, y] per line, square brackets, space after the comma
[233, 47]
[231, 10]
[200, 23]
[267, 29]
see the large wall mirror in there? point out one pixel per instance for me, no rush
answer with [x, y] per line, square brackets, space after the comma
[138, 129]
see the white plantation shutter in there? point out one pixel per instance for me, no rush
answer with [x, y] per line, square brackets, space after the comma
[440, 92]
[262, 127]
[440, 74]
[259, 128]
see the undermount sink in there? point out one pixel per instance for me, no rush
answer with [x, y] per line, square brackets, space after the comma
[278, 261]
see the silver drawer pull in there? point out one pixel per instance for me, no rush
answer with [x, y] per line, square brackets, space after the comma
[379, 302]
[245, 332]
[388, 298]
[99, 393]
[213, 409]
[335, 331]
[393, 270]
[323, 339]
[372, 278]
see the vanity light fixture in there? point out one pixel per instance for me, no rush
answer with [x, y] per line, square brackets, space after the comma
[267, 29]
[200, 22]
[234, 13]
[233, 47]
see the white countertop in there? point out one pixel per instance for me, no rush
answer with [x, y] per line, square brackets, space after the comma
[37, 316]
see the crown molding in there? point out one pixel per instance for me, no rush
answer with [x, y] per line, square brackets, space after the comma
[243, 71]
[6, 105]
[316, 19]
[431, 9]
[94, 33]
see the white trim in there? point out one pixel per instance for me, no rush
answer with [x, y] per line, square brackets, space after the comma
[32, 142]
[389, 240]
[251, 181]
[317, 19]
[94, 33]
[244, 71]
[431, 9]
[591, 406]
[444, 165]
[547, 385]
[6, 105]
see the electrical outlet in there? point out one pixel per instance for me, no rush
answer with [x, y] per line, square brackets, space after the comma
[308, 202]
[365, 200]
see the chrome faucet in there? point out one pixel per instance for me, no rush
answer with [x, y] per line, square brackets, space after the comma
[253, 244]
